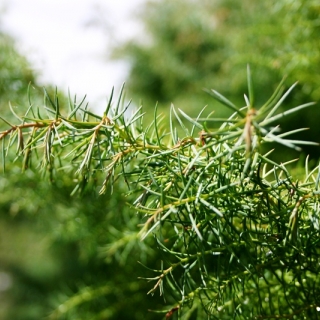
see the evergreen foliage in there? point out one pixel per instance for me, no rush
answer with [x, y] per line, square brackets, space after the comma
[56, 250]
[235, 233]
[213, 223]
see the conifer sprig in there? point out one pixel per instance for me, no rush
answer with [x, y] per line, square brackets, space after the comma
[239, 236]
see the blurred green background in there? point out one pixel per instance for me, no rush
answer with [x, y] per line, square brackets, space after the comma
[76, 257]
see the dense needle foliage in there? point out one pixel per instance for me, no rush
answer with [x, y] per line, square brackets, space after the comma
[237, 234]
